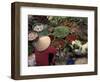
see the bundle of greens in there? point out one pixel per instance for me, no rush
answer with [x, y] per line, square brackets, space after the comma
[61, 31]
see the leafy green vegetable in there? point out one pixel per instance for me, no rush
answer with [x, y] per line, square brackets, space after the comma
[61, 31]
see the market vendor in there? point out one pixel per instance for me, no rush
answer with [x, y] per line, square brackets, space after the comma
[44, 53]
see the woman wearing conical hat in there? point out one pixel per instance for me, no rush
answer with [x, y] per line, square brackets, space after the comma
[44, 53]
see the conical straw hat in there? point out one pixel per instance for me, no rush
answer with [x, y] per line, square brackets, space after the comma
[43, 43]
